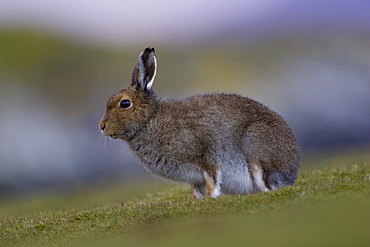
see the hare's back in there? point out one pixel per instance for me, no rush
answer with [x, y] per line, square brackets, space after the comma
[225, 118]
[216, 118]
[228, 108]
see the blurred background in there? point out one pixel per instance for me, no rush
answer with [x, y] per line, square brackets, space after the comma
[60, 61]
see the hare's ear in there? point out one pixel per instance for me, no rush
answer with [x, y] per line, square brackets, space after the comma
[145, 70]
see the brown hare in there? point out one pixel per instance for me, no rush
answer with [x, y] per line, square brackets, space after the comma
[217, 143]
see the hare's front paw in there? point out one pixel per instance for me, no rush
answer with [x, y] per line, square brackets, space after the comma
[211, 188]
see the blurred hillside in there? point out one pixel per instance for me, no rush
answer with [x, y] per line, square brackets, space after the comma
[53, 93]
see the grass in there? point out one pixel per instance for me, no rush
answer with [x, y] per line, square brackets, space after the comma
[328, 206]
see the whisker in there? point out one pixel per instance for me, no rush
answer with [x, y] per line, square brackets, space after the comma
[104, 140]
[107, 144]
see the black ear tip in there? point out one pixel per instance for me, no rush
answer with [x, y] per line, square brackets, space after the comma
[149, 50]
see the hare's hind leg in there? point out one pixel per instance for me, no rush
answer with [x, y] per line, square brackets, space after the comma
[258, 178]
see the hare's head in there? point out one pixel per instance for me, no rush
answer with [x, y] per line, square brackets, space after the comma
[129, 109]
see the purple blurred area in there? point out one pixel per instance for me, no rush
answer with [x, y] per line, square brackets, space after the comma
[177, 22]
[60, 60]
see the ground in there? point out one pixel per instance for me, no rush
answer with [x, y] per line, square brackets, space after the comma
[328, 206]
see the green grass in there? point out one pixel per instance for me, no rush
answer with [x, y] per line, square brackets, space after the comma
[328, 206]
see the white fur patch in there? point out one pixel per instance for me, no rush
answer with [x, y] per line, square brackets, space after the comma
[150, 83]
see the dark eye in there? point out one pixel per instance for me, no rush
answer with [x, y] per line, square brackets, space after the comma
[126, 103]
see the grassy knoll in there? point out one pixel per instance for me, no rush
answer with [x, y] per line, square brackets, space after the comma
[328, 206]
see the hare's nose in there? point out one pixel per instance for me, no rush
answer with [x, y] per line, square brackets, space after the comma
[102, 126]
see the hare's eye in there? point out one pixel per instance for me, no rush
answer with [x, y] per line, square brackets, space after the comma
[126, 103]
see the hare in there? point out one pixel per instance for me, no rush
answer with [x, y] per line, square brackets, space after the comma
[218, 143]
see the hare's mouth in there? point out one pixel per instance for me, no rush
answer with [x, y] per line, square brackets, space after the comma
[113, 136]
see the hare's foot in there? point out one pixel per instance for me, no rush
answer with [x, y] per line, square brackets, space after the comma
[211, 187]
[213, 184]
[199, 191]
